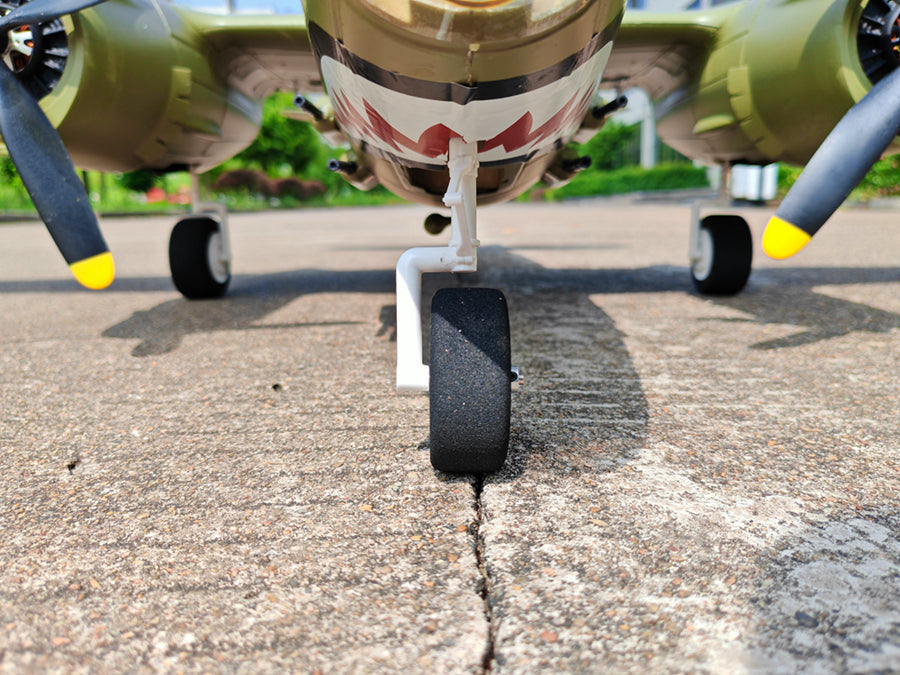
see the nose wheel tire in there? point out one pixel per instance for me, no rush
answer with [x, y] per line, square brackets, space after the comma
[195, 259]
[469, 382]
[726, 255]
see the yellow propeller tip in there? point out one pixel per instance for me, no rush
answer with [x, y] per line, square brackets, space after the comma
[96, 272]
[783, 239]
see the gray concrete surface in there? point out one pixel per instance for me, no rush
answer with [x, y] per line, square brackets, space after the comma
[695, 485]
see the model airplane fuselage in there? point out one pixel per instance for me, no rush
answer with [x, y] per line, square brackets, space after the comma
[516, 78]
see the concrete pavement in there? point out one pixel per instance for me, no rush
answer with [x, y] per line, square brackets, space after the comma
[694, 484]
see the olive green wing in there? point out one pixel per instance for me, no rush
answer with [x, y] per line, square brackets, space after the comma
[661, 52]
[259, 54]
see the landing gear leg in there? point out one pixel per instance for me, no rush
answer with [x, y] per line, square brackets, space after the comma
[200, 250]
[469, 377]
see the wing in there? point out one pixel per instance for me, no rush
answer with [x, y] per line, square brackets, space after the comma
[662, 52]
[259, 54]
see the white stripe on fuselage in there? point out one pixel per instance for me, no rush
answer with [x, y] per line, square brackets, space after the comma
[400, 125]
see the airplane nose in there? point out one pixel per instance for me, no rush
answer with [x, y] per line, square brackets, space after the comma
[483, 19]
[521, 43]
[478, 4]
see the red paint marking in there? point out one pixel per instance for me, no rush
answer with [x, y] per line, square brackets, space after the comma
[520, 133]
[435, 140]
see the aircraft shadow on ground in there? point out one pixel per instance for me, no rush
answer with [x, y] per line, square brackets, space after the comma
[785, 296]
[570, 349]
[789, 297]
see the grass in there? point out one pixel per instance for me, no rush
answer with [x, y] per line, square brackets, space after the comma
[630, 179]
[108, 197]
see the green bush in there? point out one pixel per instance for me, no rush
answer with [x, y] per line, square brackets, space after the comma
[614, 146]
[138, 181]
[882, 180]
[632, 179]
[283, 147]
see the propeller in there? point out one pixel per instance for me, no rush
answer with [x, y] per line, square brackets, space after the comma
[840, 163]
[43, 163]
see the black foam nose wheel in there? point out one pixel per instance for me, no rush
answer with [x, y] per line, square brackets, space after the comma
[469, 384]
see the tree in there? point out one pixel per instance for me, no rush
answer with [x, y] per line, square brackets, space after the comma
[138, 181]
[283, 146]
[614, 146]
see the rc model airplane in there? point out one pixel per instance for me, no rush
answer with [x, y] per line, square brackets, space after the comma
[455, 103]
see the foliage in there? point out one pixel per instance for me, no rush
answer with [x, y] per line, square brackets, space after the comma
[632, 179]
[614, 146]
[8, 173]
[882, 180]
[283, 147]
[14, 197]
[787, 176]
[138, 181]
[615, 154]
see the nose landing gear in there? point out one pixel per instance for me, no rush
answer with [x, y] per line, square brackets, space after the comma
[469, 378]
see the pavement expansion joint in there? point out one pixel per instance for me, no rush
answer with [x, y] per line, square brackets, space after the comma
[486, 585]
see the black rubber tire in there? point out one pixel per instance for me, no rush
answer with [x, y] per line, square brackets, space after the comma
[732, 256]
[469, 384]
[189, 259]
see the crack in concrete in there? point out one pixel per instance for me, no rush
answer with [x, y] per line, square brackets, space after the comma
[485, 589]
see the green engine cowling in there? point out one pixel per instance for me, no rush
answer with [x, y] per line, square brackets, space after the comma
[139, 91]
[780, 76]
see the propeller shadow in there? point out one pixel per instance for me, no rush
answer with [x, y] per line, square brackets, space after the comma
[820, 317]
[796, 297]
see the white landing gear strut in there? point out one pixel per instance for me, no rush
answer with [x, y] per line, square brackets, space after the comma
[460, 255]
[220, 245]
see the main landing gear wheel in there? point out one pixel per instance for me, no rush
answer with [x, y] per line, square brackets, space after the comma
[469, 382]
[194, 259]
[726, 256]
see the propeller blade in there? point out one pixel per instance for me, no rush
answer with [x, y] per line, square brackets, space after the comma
[840, 163]
[44, 165]
[42, 11]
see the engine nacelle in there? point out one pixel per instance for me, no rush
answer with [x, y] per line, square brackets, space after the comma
[139, 91]
[781, 75]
